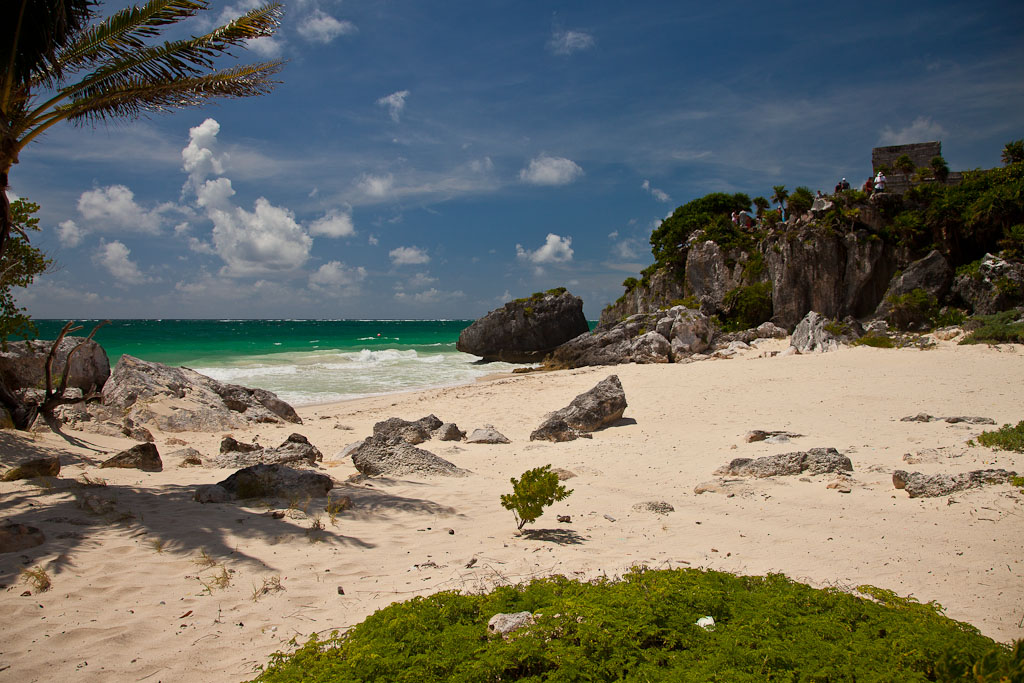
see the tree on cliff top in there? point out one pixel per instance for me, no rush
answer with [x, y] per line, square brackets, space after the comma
[1013, 152]
[58, 68]
[699, 214]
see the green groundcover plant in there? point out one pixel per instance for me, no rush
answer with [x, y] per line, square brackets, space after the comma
[643, 628]
[1006, 438]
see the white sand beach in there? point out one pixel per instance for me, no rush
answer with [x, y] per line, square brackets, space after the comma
[130, 602]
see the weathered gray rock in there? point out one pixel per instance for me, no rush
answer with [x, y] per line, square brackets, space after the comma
[659, 507]
[449, 431]
[191, 401]
[23, 364]
[810, 335]
[17, 537]
[505, 624]
[376, 456]
[660, 337]
[525, 330]
[230, 444]
[766, 435]
[276, 481]
[995, 285]
[37, 467]
[814, 461]
[953, 419]
[396, 429]
[211, 493]
[296, 450]
[189, 457]
[931, 274]
[143, 456]
[588, 412]
[487, 435]
[919, 485]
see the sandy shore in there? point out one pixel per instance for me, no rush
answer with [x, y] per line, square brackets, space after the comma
[131, 601]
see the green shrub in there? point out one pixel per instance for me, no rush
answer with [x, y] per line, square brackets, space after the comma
[998, 328]
[878, 341]
[950, 316]
[642, 628]
[537, 489]
[556, 291]
[747, 306]
[916, 308]
[691, 302]
[1006, 438]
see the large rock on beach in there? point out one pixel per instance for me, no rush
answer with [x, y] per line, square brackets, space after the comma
[667, 336]
[487, 435]
[994, 284]
[296, 450]
[931, 275]
[377, 456]
[396, 429]
[525, 330]
[812, 336]
[588, 412]
[918, 485]
[180, 399]
[273, 481]
[23, 364]
[813, 461]
[37, 467]
[143, 456]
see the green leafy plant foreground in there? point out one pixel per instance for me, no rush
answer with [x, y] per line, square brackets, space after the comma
[537, 489]
[1005, 438]
[643, 628]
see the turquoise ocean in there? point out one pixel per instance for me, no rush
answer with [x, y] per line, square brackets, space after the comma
[302, 361]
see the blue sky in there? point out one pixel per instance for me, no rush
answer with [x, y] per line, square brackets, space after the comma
[433, 159]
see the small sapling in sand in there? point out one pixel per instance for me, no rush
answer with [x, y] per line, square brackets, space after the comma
[537, 489]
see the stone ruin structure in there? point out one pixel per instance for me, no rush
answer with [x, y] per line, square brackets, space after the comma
[921, 153]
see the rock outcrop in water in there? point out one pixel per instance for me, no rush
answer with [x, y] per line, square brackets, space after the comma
[525, 330]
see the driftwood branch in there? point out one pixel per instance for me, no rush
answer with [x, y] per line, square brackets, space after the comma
[56, 398]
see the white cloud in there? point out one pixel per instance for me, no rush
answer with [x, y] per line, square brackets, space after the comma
[626, 249]
[545, 170]
[406, 256]
[198, 156]
[567, 42]
[335, 223]
[114, 257]
[395, 103]
[923, 129]
[267, 47]
[554, 250]
[335, 275]
[70, 234]
[421, 280]
[377, 186]
[655, 192]
[614, 234]
[115, 207]
[320, 27]
[481, 165]
[430, 296]
[373, 241]
[266, 240]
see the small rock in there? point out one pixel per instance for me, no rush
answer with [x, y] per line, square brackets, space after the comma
[487, 435]
[505, 624]
[37, 467]
[211, 493]
[143, 456]
[658, 507]
[565, 519]
[341, 591]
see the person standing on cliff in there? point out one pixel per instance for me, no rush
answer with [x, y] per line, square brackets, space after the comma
[880, 182]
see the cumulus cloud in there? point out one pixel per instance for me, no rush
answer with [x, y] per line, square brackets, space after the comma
[267, 47]
[115, 207]
[407, 256]
[567, 42]
[395, 103]
[377, 186]
[923, 129]
[114, 257]
[198, 157]
[335, 276]
[335, 223]
[547, 170]
[655, 192]
[264, 241]
[430, 296]
[554, 250]
[70, 234]
[320, 27]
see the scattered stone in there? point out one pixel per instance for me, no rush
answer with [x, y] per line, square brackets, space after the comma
[658, 507]
[175, 441]
[565, 519]
[231, 445]
[37, 467]
[17, 537]
[277, 481]
[338, 501]
[505, 624]
[487, 435]
[190, 457]
[143, 456]
[919, 485]
[341, 426]
[814, 461]
[840, 486]
[375, 456]
[134, 431]
[764, 435]
[295, 450]
[450, 431]
[920, 417]
[955, 419]
[563, 474]
[211, 493]
[396, 429]
[588, 412]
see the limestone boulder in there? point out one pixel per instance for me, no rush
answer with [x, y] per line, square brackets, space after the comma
[296, 451]
[506, 624]
[449, 431]
[377, 456]
[23, 364]
[179, 399]
[995, 285]
[813, 336]
[396, 429]
[487, 435]
[918, 485]
[813, 461]
[588, 412]
[276, 481]
[143, 456]
[525, 330]
[931, 275]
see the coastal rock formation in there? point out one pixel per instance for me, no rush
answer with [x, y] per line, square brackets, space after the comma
[525, 330]
[23, 364]
[276, 481]
[661, 337]
[992, 285]
[179, 399]
[919, 485]
[377, 456]
[813, 461]
[588, 412]
[37, 467]
[931, 275]
[449, 431]
[811, 335]
[488, 435]
[396, 429]
[296, 450]
[143, 456]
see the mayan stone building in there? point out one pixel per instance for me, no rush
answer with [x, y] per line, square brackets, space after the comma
[921, 153]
